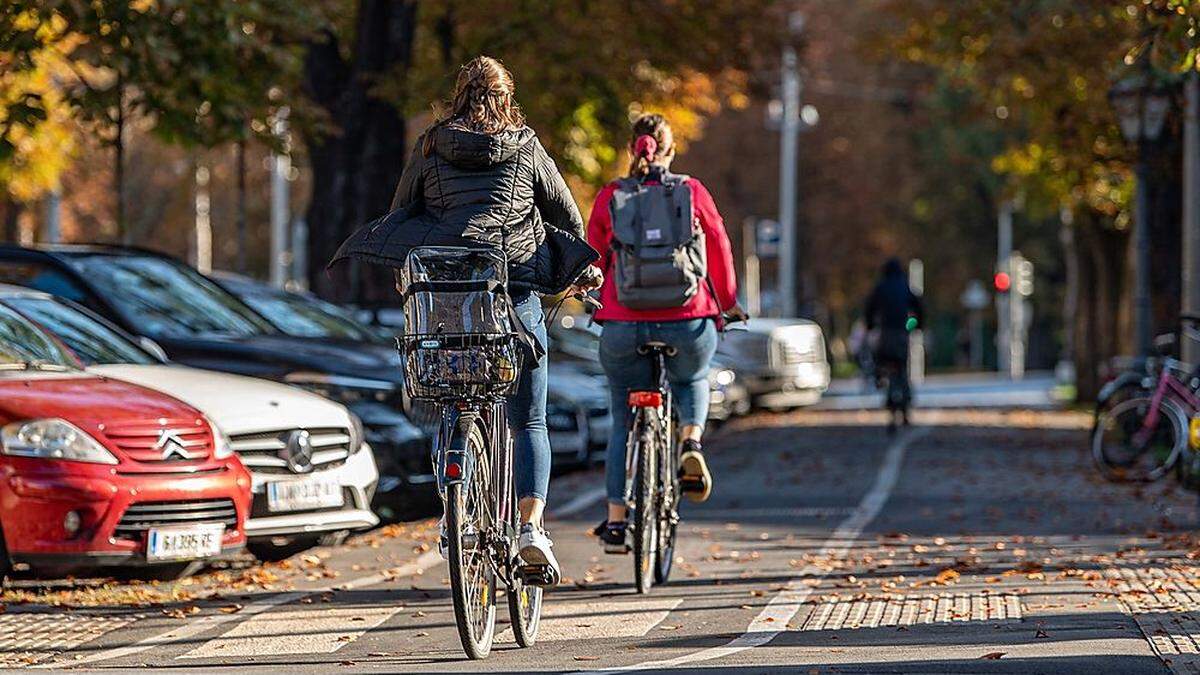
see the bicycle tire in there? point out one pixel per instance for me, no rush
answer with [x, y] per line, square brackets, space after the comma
[472, 580]
[668, 522]
[1117, 457]
[524, 600]
[645, 516]
[525, 612]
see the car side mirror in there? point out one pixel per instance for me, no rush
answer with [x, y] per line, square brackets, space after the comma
[154, 348]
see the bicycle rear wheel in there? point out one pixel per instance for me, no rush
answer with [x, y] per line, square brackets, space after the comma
[472, 579]
[1123, 450]
[645, 509]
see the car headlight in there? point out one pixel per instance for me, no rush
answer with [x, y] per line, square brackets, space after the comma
[560, 418]
[222, 446]
[52, 438]
[357, 435]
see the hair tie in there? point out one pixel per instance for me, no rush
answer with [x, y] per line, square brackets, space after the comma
[645, 146]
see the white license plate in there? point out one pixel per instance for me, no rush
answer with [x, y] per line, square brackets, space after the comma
[184, 542]
[301, 495]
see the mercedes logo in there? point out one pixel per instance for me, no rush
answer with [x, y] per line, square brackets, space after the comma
[298, 452]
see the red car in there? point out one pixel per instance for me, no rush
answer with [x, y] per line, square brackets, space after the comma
[97, 472]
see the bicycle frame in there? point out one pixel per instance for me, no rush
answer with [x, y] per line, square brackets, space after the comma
[663, 387]
[456, 466]
[1169, 385]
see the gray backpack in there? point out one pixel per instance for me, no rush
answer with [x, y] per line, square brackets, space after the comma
[657, 258]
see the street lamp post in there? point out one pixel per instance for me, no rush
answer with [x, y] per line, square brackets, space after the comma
[1141, 108]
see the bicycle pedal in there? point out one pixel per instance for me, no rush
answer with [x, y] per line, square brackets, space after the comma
[617, 549]
[537, 575]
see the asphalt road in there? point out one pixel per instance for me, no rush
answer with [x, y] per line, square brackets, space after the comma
[973, 542]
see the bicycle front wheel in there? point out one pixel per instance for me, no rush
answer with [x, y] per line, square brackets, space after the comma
[1125, 449]
[645, 504]
[472, 579]
[525, 612]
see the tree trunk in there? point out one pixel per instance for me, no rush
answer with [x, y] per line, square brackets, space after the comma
[356, 168]
[241, 205]
[1101, 262]
[10, 214]
[124, 235]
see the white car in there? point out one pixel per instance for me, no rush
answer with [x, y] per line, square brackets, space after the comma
[313, 474]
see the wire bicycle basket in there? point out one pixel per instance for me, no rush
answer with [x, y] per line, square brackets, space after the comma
[459, 338]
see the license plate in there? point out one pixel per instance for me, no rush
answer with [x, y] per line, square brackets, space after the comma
[184, 542]
[300, 495]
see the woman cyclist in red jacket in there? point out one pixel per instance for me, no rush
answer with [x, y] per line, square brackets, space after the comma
[690, 328]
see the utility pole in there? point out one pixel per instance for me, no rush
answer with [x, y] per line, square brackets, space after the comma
[750, 254]
[1004, 242]
[203, 241]
[281, 168]
[53, 232]
[1191, 211]
[788, 134]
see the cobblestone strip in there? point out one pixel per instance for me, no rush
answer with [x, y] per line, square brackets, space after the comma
[29, 637]
[910, 610]
[1165, 604]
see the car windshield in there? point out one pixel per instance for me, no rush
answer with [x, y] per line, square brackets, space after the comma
[92, 341]
[307, 317]
[163, 298]
[23, 344]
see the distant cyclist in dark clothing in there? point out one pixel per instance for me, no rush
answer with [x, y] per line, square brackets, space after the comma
[895, 311]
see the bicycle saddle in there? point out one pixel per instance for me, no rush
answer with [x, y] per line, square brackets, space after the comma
[657, 346]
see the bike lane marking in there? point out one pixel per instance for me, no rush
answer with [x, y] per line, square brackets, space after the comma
[207, 623]
[773, 619]
[294, 631]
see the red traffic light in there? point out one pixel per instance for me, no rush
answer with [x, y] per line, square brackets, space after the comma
[1002, 282]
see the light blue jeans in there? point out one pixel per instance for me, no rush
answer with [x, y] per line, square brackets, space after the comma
[695, 341]
[527, 409]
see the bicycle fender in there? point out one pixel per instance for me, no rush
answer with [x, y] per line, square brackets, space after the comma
[1118, 383]
[454, 462]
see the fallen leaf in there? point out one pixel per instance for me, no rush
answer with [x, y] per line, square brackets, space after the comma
[231, 609]
[993, 656]
[587, 658]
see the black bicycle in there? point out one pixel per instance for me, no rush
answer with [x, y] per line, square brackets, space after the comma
[461, 352]
[652, 470]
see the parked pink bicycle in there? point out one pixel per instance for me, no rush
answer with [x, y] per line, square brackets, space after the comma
[1141, 433]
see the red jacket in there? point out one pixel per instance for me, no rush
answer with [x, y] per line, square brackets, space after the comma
[716, 244]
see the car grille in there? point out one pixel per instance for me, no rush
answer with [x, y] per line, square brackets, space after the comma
[139, 518]
[169, 442]
[266, 451]
[259, 508]
[792, 352]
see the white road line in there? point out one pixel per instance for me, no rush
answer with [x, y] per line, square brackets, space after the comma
[295, 631]
[773, 619]
[201, 625]
[801, 512]
[207, 623]
[579, 503]
[594, 620]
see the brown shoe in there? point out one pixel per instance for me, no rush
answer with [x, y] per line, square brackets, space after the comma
[695, 479]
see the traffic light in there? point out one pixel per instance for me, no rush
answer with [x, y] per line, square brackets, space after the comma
[1002, 282]
[1024, 274]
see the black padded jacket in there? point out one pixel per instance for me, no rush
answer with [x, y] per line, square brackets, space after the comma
[495, 189]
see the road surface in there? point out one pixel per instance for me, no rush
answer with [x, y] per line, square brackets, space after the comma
[977, 541]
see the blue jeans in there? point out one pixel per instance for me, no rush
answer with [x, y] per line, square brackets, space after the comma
[527, 409]
[695, 341]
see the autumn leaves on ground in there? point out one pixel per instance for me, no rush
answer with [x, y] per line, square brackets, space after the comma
[995, 542]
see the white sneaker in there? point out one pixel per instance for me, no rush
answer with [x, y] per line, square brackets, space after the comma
[535, 549]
